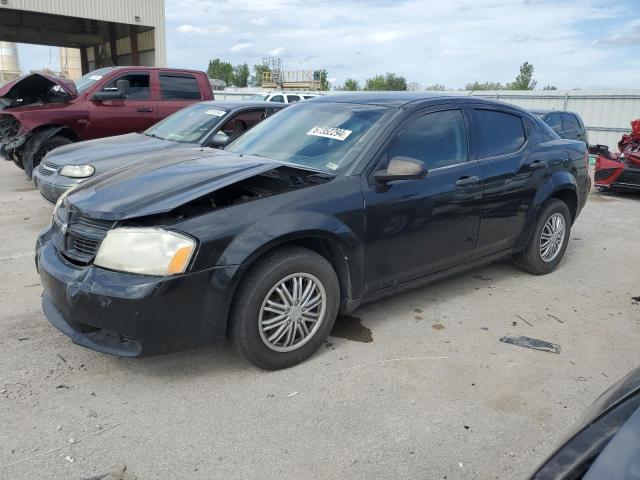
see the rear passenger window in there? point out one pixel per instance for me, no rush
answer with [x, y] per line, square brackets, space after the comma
[570, 122]
[438, 139]
[293, 98]
[277, 98]
[179, 87]
[498, 133]
[554, 121]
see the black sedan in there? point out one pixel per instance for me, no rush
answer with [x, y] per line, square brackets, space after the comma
[206, 124]
[605, 443]
[329, 204]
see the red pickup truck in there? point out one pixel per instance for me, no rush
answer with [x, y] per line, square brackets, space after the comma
[40, 112]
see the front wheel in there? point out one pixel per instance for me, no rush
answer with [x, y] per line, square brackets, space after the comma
[548, 242]
[36, 149]
[285, 308]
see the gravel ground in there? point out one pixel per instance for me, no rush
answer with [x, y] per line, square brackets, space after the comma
[416, 386]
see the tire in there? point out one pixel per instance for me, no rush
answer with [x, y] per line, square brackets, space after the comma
[531, 259]
[36, 148]
[258, 287]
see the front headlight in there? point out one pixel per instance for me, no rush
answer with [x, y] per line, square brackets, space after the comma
[149, 251]
[77, 171]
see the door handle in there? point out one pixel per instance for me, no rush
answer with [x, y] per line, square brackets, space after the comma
[538, 164]
[145, 109]
[464, 181]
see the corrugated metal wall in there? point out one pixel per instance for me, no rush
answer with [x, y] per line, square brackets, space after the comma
[131, 12]
[606, 113]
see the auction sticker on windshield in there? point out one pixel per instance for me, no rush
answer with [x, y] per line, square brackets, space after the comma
[330, 132]
[217, 113]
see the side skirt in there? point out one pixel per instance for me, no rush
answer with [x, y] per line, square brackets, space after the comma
[419, 282]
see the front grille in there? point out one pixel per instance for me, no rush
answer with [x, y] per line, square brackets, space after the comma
[83, 245]
[47, 169]
[83, 236]
[629, 175]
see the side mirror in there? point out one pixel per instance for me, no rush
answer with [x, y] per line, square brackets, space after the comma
[122, 90]
[401, 168]
[219, 140]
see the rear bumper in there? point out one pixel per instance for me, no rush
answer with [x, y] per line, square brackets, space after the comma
[131, 315]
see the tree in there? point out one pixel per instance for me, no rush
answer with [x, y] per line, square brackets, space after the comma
[524, 80]
[324, 80]
[350, 85]
[436, 87]
[390, 81]
[414, 87]
[241, 75]
[258, 70]
[220, 71]
[395, 82]
[484, 86]
[550, 87]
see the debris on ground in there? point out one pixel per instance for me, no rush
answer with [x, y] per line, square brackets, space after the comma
[524, 320]
[533, 343]
[292, 394]
[555, 318]
[119, 473]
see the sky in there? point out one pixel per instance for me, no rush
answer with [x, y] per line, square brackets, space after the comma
[571, 43]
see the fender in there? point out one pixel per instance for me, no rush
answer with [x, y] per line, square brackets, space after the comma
[33, 144]
[557, 182]
[268, 233]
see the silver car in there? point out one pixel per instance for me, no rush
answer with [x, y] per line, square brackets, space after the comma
[205, 124]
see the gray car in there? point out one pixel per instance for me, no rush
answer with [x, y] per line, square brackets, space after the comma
[206, 124]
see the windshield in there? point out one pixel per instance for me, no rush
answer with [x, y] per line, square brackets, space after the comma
[90, 78]
[258, 96]
[189, 125]
[323, 136]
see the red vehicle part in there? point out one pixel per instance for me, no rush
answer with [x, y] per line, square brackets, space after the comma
[621, 170]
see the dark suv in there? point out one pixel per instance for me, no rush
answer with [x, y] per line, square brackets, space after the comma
[326, 205]
[568, 125]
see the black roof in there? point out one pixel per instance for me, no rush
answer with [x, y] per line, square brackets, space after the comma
[401, 99]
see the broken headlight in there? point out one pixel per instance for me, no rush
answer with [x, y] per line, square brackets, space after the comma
[148, 251]
[77, 171]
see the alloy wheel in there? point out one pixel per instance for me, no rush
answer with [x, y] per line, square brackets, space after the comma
[292, 312]
[552, 237]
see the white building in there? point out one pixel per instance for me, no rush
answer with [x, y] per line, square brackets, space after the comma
[117, 32]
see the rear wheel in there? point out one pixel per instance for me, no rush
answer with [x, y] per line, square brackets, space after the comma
[36, 149]
[549, 240]
[285, 308]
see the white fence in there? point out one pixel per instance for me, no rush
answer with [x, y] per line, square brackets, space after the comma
[607, 114]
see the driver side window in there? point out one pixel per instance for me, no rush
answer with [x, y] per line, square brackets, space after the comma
[438, 139]
[139, 82]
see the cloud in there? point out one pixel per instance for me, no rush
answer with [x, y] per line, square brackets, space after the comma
[186, 28]
[259, 22]
[240, 46]
[442, 41]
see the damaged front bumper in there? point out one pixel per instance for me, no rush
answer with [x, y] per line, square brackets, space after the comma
[51, 184]
[131, 315]
[12, 137]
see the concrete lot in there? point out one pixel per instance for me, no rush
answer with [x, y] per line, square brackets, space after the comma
[429, 393]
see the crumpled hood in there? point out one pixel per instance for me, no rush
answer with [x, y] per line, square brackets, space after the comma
[37, 81]
[87, 153]
[159, 183]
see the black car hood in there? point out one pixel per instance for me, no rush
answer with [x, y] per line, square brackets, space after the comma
[160, 183]
[85, 153]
